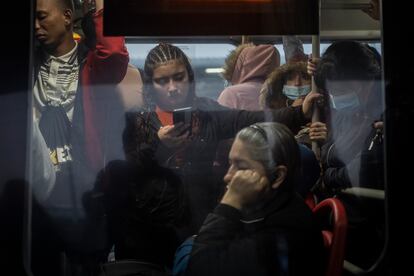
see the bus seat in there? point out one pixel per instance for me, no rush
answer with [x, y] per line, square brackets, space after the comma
[334, 223]
[310, 200]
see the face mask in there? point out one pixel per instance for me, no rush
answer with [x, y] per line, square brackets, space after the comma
[294, 92]
[344, 101]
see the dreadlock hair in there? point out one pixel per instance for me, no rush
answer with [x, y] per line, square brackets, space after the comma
[160, 55]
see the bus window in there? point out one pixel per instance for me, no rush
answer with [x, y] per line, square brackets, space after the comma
[207, 61]
[135, 152]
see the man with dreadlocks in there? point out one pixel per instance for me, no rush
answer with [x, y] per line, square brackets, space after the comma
[169, 84]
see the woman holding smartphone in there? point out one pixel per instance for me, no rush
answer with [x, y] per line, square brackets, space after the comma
[169, 85]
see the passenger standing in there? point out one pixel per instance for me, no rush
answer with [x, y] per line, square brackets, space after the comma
[350, 72]
[68, 79]
[286, 86]
[246, 68]
[170, 85]
[66, 94]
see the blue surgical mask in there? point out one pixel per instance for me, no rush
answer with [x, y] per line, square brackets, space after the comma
[294, 92]
[345, 101]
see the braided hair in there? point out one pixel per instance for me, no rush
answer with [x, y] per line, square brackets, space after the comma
[160, 55]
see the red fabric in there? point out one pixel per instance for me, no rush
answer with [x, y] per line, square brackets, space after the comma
[335, 237]
[106, 64]
[165, 117]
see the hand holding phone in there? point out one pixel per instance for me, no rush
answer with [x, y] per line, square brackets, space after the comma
[184, 116]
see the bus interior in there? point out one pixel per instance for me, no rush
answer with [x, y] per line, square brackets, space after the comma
[317, 25]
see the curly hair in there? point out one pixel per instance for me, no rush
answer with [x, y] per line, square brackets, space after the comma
[271, 95]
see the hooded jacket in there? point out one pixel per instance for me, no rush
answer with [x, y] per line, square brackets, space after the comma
[253, 66]
[271, 94]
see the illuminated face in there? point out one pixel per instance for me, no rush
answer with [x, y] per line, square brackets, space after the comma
[51, 25]
[171, 85]
[240, 159]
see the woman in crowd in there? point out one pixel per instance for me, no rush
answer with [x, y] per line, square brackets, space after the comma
[261, 226]
[288, 85]
[349, 72]
[189, 148]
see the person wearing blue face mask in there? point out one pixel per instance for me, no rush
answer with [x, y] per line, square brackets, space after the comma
[294, 92]
[286, 86]
[349, 73]
[346, 101]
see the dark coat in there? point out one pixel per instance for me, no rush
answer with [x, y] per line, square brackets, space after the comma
[211, 124]
[281, 240]
[145, 210]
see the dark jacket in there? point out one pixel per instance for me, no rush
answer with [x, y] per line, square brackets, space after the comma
[211, 124]
[142, 210]
[354, 157]
[281, 240]
[348, 158]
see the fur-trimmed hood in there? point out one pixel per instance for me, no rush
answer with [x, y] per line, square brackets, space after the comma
[271, 95]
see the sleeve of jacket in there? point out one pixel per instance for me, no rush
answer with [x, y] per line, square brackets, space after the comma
[227, 98]
[231, 121]
[336, 174]
[221, 249]
[109, 59]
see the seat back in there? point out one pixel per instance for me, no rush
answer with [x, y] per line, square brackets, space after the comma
[334, 223]
[132, 267]
[310, 200]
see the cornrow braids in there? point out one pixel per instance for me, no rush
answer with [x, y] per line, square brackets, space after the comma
[160, 55]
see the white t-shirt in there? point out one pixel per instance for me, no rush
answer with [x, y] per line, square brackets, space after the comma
[57, 82]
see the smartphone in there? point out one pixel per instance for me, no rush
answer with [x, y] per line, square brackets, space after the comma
[183, 115]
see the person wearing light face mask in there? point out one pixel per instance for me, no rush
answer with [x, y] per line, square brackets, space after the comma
[350, 74]
[295, 92]
[169, 84]
[346, 101]
[288, 85]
